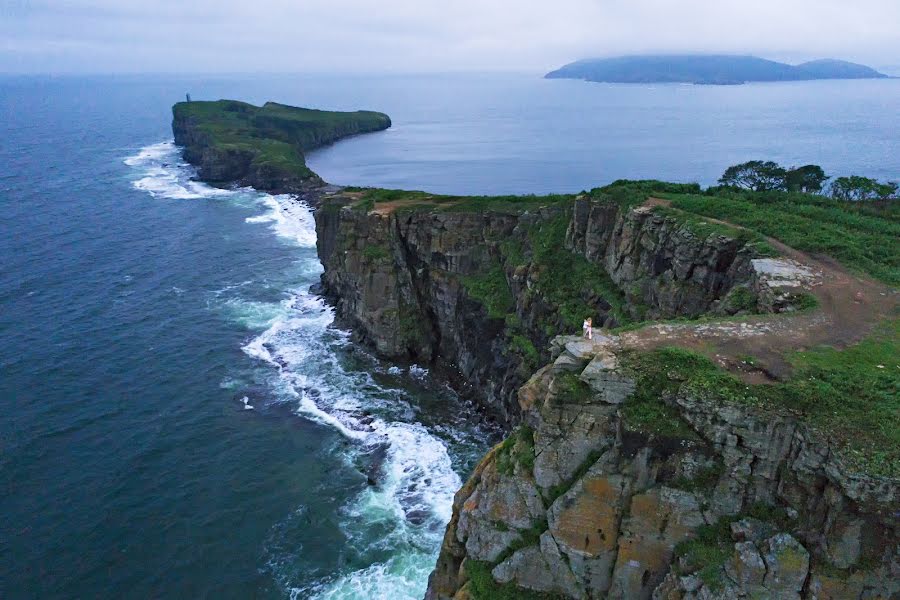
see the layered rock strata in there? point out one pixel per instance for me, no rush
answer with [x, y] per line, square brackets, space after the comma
[411, 283]
[738, 504]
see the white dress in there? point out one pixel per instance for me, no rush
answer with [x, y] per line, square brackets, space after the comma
[586, 330]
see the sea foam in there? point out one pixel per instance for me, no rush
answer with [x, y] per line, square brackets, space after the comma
[297, 349]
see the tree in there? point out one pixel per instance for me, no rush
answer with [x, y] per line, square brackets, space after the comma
[756, 175]
[808, 178]
[856, 188]
[886, 190]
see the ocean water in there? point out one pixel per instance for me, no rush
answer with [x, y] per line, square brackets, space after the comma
[178, 415]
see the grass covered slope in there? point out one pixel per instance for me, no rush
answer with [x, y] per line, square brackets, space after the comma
[852, 396]
[863, 237]
[235, 142]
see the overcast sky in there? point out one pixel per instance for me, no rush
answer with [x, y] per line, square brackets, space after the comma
[427, 35]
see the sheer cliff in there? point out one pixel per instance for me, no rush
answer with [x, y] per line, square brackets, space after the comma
[693, 449]
[484, 290]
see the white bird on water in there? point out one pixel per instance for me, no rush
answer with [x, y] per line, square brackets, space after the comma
[246, 401]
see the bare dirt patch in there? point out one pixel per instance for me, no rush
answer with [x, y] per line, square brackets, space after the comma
[850, 307]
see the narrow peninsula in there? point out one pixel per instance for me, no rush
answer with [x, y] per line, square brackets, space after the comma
[730, 430]
[707, 69]
[235, 143]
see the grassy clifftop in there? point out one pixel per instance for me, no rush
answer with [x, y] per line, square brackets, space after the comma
[262, 146]
[862, 236]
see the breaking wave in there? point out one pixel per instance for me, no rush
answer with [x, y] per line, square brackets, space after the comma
[401, 519]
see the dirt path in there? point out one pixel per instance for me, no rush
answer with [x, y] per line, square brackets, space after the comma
[850, 307]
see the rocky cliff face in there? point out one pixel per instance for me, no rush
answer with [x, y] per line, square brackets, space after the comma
[484, 291]
[691, 496]
[621, 478]
[235, 143]
[658, 262]
[222, 165]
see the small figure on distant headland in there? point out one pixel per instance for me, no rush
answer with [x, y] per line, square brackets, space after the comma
[587, 329]
[188, 96]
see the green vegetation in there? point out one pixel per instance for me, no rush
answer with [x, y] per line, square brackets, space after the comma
[376, 253]
[567, 280]
[522, 346]
[766, 176]
[705, 479]
[561, 488]
[272, 137]
[710, 69]
[703, 228]
[483, 586]
[852, 396]
[645, 410]
[405, 200]
[516, 449]
[492, 290]
[527, 537]
[629, 193]
[707, 553]
[856, 188]
[864, 239]
[411, 325]
[570, 389]
[739, 299]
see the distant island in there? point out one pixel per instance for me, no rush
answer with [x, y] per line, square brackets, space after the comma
[707, 69]
[232, 142]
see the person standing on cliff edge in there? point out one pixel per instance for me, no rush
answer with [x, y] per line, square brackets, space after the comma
[587, 328]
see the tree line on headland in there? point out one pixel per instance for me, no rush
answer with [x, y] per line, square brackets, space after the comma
[765, 176]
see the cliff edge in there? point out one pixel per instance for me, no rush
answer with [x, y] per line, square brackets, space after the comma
[730, 432]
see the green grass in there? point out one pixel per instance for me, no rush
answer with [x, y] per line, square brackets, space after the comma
[645, 410]
[852, 396]
[527, 537]
[630, 193]
[567, 279]
[740, 299]
[866, 239]
[413, 200]
[570, 389]
[274, 136]
[516, 449]
[522, 346]
[483, 586]
[707, 552]
[492, 290]
[713, 545]
[703, 229]
[376, 253]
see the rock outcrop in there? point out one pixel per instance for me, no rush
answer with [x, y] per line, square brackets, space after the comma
[479, 290]
[726, 501]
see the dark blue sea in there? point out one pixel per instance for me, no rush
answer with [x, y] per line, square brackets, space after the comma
[180, 418]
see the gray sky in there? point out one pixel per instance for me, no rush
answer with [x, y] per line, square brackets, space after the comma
[427, 35]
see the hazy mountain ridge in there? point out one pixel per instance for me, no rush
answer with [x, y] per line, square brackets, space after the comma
[707, 69]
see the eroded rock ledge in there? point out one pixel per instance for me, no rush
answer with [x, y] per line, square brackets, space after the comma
[725, 501]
